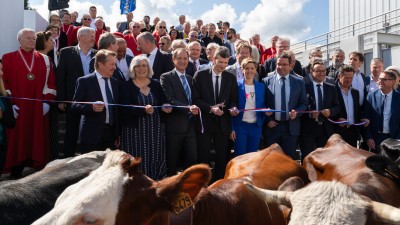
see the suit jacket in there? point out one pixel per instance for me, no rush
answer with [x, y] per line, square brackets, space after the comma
[228, 45]
[117, 73]
[372, 110]
[180, 118]
[93, 123]
[260, 103]
[270, 65]
[330, 101]
[68, 71]
[297, 99]
[162, 64]
[203, 97]
[123, 26]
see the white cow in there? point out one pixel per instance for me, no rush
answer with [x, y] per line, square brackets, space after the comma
[332, 202]
[93, 200]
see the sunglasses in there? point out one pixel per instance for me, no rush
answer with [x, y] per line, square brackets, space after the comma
[86, 19]
[160, 27]
[221, 33]
[162, 43]
[135, 26]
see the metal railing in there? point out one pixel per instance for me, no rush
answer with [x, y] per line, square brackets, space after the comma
[388, 22]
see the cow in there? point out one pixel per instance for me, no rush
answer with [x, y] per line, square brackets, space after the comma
[329, 202]
[387, 163]
[136, 199]
[25, 200]
[339, 161]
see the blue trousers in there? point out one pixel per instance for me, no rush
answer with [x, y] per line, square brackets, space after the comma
[248, 137]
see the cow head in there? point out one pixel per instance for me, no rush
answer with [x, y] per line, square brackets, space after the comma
[328, 203]
[119, 193]
[388, 162]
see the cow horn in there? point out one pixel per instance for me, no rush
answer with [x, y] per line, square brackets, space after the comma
[385, 213]
[269, 196]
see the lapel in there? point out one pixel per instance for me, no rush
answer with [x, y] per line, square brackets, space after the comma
[77, 58]
[325, 96]
[341, 100]
[97, 87]
[176, 81]
[223, 84]
[210, 83]
[115, 91]
[242, 93]
[355, 103]
[311, 95]
[120, 74]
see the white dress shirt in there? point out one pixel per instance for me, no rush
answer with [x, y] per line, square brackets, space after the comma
[102, 84]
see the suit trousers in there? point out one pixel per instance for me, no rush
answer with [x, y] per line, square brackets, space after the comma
[309, 143]
[280, 135]
[181, 146]
[378, 141]
[106, 141]
[213, 138]
[71, 133]
[248, 137]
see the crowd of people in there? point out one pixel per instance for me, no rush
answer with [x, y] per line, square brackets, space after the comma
[173, 97]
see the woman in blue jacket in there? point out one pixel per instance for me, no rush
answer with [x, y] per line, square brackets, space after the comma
[247, 126]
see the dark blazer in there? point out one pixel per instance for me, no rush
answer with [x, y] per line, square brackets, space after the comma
[203, 97]
[128, 96]
[180, 118]
[260, 103]
[330, 101]
[162, 64]
[68, 71]
[372, 110]
[297, 99]
[7, 120]
[117, 73]
[93, 123]
[270, 65]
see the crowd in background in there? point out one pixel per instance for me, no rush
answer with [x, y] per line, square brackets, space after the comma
[172, 95]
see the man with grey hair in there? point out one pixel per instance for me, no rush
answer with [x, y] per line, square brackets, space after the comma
[376, 68]
[282, 44]
[217, 107]
[28, 74]
[182, 19]
[165, 44]
[337, 61]
[123, 60]
[194, 49]
[160, 63]
[74, 63]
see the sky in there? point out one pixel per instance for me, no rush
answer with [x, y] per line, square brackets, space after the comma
[294, 19]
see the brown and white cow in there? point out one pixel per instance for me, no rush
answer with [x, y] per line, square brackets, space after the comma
[329, 202]
[136, 199]
[339, 161]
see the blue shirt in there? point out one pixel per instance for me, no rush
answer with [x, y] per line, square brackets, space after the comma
[85, 59]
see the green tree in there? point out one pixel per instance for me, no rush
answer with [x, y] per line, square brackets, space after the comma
[26, 5]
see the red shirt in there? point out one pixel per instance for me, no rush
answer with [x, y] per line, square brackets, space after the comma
[269, 53]
[131, 41]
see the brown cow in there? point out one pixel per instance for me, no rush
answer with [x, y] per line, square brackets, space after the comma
[133, 198]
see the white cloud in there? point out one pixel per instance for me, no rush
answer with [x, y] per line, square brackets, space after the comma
[268, 18]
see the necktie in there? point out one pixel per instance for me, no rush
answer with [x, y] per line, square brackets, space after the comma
[110, 101]
[185, 87]
[216, 90]
[283, 99]
[194, 66]
[319, 107]
[382, 115]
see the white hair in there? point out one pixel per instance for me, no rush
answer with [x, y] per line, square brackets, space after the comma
[22, 31]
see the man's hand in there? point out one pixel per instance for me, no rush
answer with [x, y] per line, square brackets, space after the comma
[149, 109]
[342, 119]
[62, 106]
[326, 112]
[217, 111]
[314, 114]
[292, 114]
[234, 111]
[268, 113]
[166, 108]
[371, 143]
[366, 122]
[98, 106]
[272, 124]
[233, 136]
[194, 109]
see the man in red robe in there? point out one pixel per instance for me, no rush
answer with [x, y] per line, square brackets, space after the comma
[270, 53]
[28, 74]
[99, 30]
[131, 39]
[68, 29]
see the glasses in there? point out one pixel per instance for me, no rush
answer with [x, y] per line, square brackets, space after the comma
[162, 43]
[221, 33]
[86, 18]
[209, 49]
[161, 27]
[135, 26]
[384, 79]
[193, 36]
[141, 66]
[319, 71]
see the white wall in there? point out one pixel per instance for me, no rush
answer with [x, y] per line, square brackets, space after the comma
[11, 21]
[33, 20]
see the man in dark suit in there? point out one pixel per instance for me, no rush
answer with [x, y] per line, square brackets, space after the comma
[100, 121]
[125, 25]
[180, 129]
[284, 92]
[74, 63]
[215, 91]
[382, 108]
[282, 44]
[323, 100]
[350, 109]
[194, 58]
[161, 63]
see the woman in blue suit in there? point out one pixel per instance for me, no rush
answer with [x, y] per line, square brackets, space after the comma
[247, 126]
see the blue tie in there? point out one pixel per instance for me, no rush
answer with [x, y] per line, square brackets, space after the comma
[283, 99]
[110, 101]
[319, 102]
[186, 88]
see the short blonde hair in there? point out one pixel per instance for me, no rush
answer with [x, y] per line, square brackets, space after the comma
[135, 62]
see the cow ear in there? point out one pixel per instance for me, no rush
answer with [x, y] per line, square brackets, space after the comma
[190, 181]
[292, 184]
[377, 162]
[132, 165]
[193, 179]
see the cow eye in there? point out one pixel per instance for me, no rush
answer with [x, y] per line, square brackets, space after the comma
[90, 220]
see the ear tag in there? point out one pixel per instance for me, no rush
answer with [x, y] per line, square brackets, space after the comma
[183, 202]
